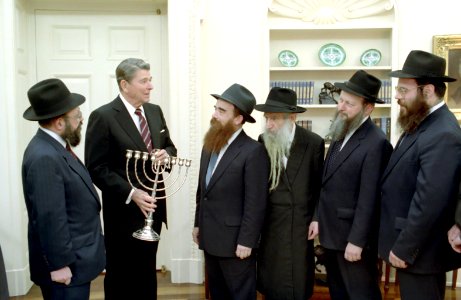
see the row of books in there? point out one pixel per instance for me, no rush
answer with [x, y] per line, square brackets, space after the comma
[305, 90]
[385, 124]
[307, 124]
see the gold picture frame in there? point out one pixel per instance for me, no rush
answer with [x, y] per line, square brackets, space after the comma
[449, 47]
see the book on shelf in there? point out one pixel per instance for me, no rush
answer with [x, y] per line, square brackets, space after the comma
[385, 124]
[306, 124]
[304, 89]
[385, 93]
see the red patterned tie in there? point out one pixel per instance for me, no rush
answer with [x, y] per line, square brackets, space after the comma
[145, 133]
[68, 148]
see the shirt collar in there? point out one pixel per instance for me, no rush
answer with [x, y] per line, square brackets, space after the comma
[435, 107]
[54, 135]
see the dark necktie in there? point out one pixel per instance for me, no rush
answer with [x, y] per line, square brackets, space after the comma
[145, 133]
[68, 148]
[399, 142]
[211, 165]
[334, 153]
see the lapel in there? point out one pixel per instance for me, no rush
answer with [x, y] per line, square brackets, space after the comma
[298, 149]
[351, 145]
[410, 139]
[231, 153]
[126, 122]
[74, 164]
[155, 124]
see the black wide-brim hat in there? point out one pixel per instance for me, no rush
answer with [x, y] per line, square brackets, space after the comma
[50, 98]
[363, 85]
[423, 65]
[281, 100]
[242, 98]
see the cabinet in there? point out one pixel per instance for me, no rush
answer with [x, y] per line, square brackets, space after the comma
[305, 40]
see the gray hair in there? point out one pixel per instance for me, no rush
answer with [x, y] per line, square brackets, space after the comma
[128, 67]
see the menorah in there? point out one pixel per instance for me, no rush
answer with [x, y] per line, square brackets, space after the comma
[157, 167]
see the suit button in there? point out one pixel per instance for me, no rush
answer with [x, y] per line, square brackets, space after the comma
[205, 198]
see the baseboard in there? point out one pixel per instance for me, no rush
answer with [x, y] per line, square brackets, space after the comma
[187, 271]
[19, 282]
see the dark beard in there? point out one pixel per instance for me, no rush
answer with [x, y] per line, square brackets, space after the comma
[73, 137]
[341, 126]
[415, 114]
[217, 136]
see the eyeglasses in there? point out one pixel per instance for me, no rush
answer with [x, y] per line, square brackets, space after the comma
[403, 90]
[78, 117]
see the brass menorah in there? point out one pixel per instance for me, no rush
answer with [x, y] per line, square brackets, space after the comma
[157, 167]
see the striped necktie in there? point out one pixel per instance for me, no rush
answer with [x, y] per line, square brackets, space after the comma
[145, 133]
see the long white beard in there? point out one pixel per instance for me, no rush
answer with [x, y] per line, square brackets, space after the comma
[278, 146]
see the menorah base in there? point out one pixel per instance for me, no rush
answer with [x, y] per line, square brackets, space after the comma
[146, 234]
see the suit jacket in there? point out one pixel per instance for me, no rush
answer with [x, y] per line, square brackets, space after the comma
[230, 210]
[419, 194]
[349, 199]
[63, 207]
[111, 131]
[285, 256]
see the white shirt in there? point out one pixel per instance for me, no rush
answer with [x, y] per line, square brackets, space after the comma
[292, 137]
[131, 112]
[54, 135]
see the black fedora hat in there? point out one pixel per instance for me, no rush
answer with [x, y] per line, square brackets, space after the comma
[280, 100]
[50, 98]
[363, 85]
[241, 97]
[420, 64]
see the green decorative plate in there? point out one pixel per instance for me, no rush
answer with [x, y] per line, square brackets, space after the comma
[288, 58]
[371, 57]
[332, 55]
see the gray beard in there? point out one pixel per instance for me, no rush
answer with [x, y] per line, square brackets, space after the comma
[341, 126]
[278, 146]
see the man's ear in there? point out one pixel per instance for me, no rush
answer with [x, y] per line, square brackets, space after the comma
[238, 120]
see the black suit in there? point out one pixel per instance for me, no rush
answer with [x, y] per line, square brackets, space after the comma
[285, 256]
[348, 212]
[131, 263]
[63, 207]
[230, 211]
[419, 194]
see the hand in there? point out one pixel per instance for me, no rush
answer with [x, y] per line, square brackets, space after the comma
[454, 238]
[242, 252]
[62, 275]
[397, 262]
[353, 252]
[195, 233]
[313, 230]
[160, 156]
[144, 201]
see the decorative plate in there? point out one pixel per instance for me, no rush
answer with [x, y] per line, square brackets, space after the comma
[288, 58]
[332, 55]
[371, 57]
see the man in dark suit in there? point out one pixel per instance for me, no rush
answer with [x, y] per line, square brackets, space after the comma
[66, 245]
[420, 184]
[285, 257]
[349, 200]
[231, 197]
[128, 122]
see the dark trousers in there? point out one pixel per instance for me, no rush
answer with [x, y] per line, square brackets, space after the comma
[4, 295]
[352, 280]
[231, 278]
[421, 286]
[59, 291]
[131, 267]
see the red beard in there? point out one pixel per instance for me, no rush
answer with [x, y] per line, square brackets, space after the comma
[218, 135]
